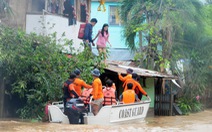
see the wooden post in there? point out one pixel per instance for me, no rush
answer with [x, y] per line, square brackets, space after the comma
[161, 97]
[171, 99]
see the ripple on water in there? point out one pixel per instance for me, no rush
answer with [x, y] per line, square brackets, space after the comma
[201, 121]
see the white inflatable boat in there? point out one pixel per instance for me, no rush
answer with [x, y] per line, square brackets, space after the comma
[107, 115]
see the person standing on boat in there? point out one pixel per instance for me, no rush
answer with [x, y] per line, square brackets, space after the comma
[128, 76]
[69, 90]
[135, 83]
[97, 92]
[79, 83]
[129, 96]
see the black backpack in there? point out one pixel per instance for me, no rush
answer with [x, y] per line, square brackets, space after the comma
[66, 92]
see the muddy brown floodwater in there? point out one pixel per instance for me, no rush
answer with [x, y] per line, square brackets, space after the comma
[201, 122]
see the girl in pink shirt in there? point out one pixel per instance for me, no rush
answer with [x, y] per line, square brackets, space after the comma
[102, 40]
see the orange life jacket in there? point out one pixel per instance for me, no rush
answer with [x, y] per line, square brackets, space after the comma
[86, 95]
[128, 96]
[109, 96]
[136, 85]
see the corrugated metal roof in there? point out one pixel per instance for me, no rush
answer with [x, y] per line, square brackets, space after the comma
[140, 71]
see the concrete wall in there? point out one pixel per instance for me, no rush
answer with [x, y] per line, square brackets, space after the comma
[19, 9]
[53, 23]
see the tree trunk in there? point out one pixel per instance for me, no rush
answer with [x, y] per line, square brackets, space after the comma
[167, 48]
[141, 48]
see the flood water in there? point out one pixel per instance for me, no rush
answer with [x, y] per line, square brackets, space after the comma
[200, 122]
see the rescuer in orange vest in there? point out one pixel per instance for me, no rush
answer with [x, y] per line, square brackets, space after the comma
[97, 92]
[79, 83]
[109, 94]
[128, 76]
[129, 96]
[135, 83]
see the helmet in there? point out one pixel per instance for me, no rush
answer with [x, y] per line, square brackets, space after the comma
[95, 72]
[129, 70]
[77, 72]
[72, 76]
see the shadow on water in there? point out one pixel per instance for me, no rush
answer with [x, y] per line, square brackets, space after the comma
[201, 121]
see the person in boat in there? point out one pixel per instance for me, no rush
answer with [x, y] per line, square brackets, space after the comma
[128, 76]
[69, 90]
[79, 83]
[46, 117]
[109, 93]
[97, 92]
[135, 83]
[113, 85]
[137, 91]
[129, 96]
[85, 96]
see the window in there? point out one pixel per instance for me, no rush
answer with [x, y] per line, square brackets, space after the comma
[51, 6]
[84, 10]
[77, 10]
[74, 10]
[114, 16]
[37, 6]
[70, 11]
[54, 6]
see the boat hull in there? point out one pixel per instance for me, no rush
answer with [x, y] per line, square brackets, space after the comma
[119, 113]
[107, 115]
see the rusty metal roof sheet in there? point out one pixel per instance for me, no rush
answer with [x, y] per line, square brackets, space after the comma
[140, 71]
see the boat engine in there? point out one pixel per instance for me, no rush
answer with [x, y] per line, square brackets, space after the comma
[75, 110]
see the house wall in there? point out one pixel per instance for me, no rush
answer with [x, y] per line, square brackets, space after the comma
[18, 16]
[115, 38]
[53, 23]
[150, 89]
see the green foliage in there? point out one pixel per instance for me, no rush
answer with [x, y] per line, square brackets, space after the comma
[183, 29]
[162, 23]
[196, 55]
[35, 67]
[189, 104]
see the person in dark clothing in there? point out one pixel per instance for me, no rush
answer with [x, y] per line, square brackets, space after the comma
[69, 11]
[87, 39]
[137, 91]
[68, 89]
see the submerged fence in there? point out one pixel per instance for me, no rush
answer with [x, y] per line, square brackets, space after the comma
[164, 105]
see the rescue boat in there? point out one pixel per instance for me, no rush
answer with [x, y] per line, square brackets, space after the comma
[112, 114]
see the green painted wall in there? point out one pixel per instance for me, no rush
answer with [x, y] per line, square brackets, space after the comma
[149, 89]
